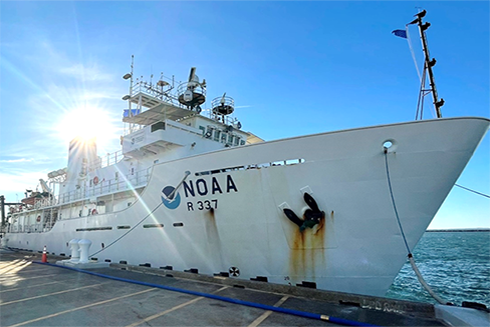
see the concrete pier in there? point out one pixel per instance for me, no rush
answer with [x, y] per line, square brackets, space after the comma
[44, 295]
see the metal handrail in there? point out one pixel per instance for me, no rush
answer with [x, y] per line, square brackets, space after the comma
[129, 182]
[107, 160]
[196, 87]
[105, 187]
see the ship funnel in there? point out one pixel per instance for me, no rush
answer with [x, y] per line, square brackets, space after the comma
[82, 153]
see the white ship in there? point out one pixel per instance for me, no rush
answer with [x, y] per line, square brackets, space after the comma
[191, 190]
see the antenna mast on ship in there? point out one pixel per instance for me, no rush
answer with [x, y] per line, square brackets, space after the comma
[428, 64]
[128, 97]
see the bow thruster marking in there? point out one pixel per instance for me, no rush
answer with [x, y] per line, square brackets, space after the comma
[234, 271]
[311, 217]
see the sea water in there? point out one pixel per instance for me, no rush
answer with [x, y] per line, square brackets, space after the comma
[455, 264]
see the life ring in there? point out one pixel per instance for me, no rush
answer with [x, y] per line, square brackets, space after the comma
[94, 212]
[38, 219]
[96, 180]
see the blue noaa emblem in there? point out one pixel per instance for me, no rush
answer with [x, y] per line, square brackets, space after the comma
[167, 201]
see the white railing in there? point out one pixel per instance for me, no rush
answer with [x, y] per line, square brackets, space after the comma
[105, 187]
[128, 182]
[108, 160]
[153, 90]
[33, 228]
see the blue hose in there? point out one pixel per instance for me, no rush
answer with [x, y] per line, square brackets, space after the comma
[298, 313]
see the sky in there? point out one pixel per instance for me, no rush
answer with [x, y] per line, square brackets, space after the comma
[293, 68]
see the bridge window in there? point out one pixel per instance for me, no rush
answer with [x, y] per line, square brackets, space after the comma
[216, 135]
[157, 126]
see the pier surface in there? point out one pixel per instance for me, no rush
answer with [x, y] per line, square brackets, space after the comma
[36, 294]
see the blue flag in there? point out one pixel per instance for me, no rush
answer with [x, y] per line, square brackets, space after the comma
[400, 33]
[134, 112]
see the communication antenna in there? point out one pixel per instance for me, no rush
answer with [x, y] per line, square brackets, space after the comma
[192, 74]
[128, 96]
[161, 83]
[428, 64]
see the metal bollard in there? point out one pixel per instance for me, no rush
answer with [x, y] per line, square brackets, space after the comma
[84, 246]
[75, 250]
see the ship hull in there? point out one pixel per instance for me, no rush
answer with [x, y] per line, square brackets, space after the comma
[230, 219]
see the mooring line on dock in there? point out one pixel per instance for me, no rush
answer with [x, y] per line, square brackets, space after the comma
[409, 254]
[476, 192]
[293, 312]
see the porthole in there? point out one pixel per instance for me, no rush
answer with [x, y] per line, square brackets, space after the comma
[389, 145]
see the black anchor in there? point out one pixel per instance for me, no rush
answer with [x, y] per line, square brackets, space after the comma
[311, 216]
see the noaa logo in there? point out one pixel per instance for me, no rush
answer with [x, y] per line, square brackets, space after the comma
[171, 203]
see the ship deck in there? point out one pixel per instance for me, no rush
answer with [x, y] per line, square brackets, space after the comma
[36, 294]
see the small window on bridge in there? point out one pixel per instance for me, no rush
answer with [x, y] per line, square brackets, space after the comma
[157, 126]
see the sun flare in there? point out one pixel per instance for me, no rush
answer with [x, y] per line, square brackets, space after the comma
[87, 122]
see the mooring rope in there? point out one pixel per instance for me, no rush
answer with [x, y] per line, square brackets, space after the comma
[171, 196]
[410, 255]
[476, 192]
[394, 204]
[129, 230]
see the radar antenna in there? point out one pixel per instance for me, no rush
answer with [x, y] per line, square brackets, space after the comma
[192, 94]
[223, 105]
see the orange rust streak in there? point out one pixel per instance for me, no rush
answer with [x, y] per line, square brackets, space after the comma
[307, 245]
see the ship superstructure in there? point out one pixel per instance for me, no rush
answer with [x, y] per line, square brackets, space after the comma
[162, 123]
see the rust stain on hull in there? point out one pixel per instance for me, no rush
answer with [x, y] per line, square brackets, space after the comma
[215, 252]
[210, 225]
[308, 252]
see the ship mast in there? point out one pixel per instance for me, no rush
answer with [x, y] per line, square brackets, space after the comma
[429, 63]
